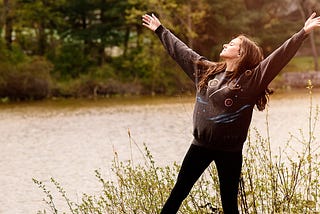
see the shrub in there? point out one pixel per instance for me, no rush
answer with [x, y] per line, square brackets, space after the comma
[27, 80]
[283, 183]
[88, 87]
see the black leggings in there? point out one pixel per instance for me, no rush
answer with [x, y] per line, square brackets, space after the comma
[195, 162]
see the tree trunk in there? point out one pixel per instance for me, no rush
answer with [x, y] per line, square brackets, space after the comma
[41, 40]
[126, 41]
[101, 45]
[314, 51]
[139, 36]
[86, 41]
[190, 26]
[8, 23]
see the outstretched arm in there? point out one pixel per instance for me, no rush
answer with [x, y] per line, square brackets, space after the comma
[273, 64]
[179, 51]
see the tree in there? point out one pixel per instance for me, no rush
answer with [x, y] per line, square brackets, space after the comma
[279, 14]
[222, 21]
[36, 21]
[112, 29]
[8, 22]
[306, 8]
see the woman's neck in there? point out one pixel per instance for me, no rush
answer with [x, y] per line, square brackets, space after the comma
[231, 65]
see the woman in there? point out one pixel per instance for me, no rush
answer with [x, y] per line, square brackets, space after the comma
[227, 92]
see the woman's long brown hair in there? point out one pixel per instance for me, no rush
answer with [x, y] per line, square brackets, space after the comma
[250, 56]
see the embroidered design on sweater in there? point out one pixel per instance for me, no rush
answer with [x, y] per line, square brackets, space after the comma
[220, 89]
[228, 117]
[200, 100]
[213, 83]
[228, 102]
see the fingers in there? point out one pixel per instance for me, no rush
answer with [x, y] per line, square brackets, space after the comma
[150, 21]
[312, 23]
[313, 15]
[153, 16]
[147, 17]
[314, 20]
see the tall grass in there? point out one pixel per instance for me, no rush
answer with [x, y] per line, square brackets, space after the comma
[286, 182]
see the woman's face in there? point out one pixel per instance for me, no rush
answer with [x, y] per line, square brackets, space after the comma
[231, 50]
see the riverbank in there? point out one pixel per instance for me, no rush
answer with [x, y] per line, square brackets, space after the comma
[121, 100]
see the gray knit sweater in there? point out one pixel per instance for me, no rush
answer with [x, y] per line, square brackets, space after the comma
[222, 114]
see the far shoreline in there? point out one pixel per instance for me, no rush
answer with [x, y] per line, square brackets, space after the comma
[127, 100]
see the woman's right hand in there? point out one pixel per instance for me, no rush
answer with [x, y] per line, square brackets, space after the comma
[151, 22]
[312, 23]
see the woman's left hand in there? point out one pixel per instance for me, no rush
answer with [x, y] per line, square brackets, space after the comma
[311, 23]
[151, 22]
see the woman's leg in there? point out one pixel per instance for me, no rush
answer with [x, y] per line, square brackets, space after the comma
[229, 169]
[195, 162]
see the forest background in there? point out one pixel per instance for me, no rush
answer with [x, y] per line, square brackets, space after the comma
[90, 48]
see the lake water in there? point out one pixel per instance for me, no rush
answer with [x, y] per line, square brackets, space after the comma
[68, 140]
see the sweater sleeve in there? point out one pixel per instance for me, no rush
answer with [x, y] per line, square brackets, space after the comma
[179, 51]
[271, 66]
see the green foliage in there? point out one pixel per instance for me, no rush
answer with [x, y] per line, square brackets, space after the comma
[36, 23]
[13, 56]
[70, 61]
[79, 36]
